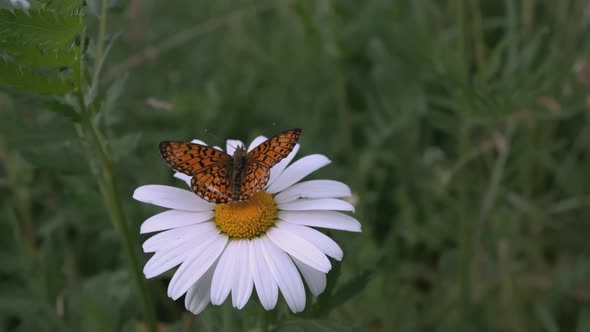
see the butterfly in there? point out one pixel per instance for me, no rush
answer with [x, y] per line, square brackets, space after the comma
[220, 178]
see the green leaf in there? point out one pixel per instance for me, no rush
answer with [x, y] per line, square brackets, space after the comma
[63, 6]
[93, 90]
[28, 79]
[63, 109]
[38, 57]
[38, 27]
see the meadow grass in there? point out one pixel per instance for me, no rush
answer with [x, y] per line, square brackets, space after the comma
[462, 127]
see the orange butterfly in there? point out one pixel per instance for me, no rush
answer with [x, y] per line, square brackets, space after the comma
[221, 178]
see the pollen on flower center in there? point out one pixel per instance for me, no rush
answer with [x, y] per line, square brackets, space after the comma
[247, 219]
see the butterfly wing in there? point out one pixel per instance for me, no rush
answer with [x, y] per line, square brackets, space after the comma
[262, 158]
[190, 158]
[274, 149]
[209, 167]
[255, 178]
[213, 184]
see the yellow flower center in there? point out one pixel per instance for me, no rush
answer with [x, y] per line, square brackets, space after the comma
[247, 219]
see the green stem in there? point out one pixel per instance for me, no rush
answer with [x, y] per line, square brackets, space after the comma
[102, 31]
[103, 173]
[109, 191]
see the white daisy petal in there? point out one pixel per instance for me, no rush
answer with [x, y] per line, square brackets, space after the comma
[218, 148]
[231, 146]
[195, 266]
[198, 141]
[297, 171]
[242, 281]
[197, 297]
[317, 238]
[266, 286]
[278, 169]
[298, 247]
[313, 189]
[222, 278]
[177, 235]
[164, 260]
[256, 142]
[304, 204]
[172, 198]
[316, 280]
[285, 274]
[183, 177]
[323, 219]
[174, 218]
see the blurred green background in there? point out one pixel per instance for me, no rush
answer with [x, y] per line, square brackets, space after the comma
[462, 127]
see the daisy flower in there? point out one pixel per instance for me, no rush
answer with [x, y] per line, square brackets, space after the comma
[266, 243]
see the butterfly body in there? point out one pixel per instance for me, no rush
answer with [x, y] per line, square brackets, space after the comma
[221, 178]
[238, 164]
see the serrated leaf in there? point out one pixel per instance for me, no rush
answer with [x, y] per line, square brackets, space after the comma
[39, 57]
[63, 6]
[43, 28]
[28, 79]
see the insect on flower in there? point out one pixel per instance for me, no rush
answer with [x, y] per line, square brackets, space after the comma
[267, 244]
[220, 178]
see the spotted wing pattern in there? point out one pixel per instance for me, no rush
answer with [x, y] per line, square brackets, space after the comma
[209, 167]
[213, 171]
[190, 158]
[213, 184]
[274, 149]
[262, 158]
[255, 178]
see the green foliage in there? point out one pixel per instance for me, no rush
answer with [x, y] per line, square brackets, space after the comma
[462, 128]
[29, 79]
[42, 28]
[38, 57]
[38, 48]
[64, 7]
